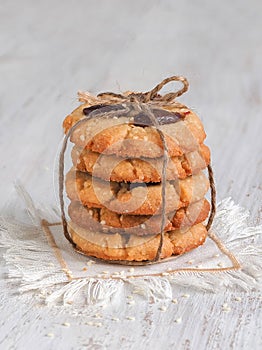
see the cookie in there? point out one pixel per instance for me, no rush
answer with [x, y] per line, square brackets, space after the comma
[137, 199]
[187, 239]
[119, 136]
[110, 167]
[135, 248]
[104, 220]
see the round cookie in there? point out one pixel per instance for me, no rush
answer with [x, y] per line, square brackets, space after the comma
[135, 248]
[110, 167]
[187, 239]
[118, 135]
[104, 220]
[137, 200]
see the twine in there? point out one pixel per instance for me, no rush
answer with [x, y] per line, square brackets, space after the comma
[143, 97]
[150, 96]
[213, 197]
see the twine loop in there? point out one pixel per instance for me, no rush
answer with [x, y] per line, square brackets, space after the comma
[152, 94]
[142, 97]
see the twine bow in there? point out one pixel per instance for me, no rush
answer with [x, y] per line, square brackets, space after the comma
[142, 97]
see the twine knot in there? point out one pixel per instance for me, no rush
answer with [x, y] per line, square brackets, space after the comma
[143, 97]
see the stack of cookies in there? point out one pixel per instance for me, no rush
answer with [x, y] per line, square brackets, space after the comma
[115, 186]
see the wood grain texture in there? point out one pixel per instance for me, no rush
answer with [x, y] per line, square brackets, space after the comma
[49, 50]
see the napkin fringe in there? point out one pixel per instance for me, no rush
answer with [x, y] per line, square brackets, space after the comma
[98, 292]
[29, 259]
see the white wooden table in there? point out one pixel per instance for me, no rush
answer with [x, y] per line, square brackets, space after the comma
[52, 48]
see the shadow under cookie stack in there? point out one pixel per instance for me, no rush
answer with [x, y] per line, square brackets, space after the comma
[125, 150]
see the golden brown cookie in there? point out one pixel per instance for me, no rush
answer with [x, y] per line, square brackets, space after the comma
[135, 248]
[193, 214]
[187, 239]
[137, 200]
[104, 220]
[117, 135]
[110, 167]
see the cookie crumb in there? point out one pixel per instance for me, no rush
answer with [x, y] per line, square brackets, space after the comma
[50, 335]
[226, 308]
[66, 324]
[115, 319]
[174, 301]
[131, 269]
[82, 137]
[130, 318]
[238, 299]
[186, 295]
[178, 320]
[84, 268]
[131, 302]
[98, 324]
[102, 222]
[220, 264]
[143, 226]
[216, 256]
[190, 262]
[163, 308]
[169, 269]
[90, 323]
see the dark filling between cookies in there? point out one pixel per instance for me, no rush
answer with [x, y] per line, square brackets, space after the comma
[103, 108]
[141, 119]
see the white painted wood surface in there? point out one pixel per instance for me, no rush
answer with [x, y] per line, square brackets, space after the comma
[49, 50]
